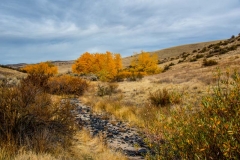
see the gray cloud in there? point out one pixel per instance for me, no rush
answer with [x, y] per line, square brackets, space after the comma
[40, 30]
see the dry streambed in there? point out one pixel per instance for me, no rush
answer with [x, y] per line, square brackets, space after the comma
[118, 135]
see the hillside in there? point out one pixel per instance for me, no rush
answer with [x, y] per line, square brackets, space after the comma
[174, 51]
[7, 72]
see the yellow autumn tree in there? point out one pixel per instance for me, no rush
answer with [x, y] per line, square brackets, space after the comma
[118, 62]
[38, 74]
[145, 62]
[83, 64]
[104, 65]
[43, 68]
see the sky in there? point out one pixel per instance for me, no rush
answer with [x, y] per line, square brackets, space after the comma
[32, 31]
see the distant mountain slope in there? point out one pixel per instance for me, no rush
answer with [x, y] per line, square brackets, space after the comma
[189, 48]
[7, 72]
[175, 51]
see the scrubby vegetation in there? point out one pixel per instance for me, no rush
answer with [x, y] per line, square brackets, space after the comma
[206, 129]
[31, 120]
[164, 98]
[209, 62]
[67, 84]
[208, 132]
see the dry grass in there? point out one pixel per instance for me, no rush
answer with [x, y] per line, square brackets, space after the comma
[84, 148]
[6, 72]
[64, 67]
[87, 147]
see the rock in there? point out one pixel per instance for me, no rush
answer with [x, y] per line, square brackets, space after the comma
[142, 151]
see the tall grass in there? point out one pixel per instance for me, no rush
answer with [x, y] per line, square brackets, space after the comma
[30, 120]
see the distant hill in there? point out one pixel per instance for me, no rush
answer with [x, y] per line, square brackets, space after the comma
[8, 72]
[175, 51]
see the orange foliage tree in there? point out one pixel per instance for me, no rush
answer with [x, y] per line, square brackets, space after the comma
[146, 63]
[104, 65]
[40, 73]
[43, 68]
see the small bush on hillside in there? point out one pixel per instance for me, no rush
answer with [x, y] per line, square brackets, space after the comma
[166, 67]
[194, 51]
[211, 45]
[225, 43]
[30, 120]
[194, 59]
[66, 84]
[180, 61]
[107, 89]
[209, 62]
[160, 98]
[164, 97]
[199, 56]
[184, 55]
[203, 50]
[135, 76]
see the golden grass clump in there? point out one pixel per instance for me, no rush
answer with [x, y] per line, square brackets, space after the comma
[164, 97]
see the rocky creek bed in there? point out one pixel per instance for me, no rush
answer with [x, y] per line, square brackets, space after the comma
[118, 135]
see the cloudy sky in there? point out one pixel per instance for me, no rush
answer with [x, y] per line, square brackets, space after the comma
[39, 30]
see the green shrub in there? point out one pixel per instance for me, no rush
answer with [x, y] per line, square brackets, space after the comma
[209, 62]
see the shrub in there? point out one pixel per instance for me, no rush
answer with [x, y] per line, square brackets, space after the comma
[180, 61]
[194, 51]
[134, 76]
[171, 64]
[160, 98]
[209, 62]
[67, 84]
[208, 132]
[194, 59]
[166, 67]
[29, 119]
[107, 89]
[199, 56]
[232, 48]
[164, 97]
[203, 50]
